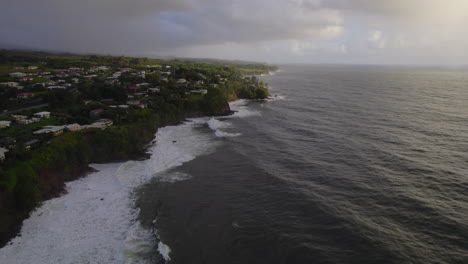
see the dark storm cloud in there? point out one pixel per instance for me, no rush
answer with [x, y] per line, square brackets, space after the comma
[328, 30]
[142, 25]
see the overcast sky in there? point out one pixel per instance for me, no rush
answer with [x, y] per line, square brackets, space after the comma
[292, 31]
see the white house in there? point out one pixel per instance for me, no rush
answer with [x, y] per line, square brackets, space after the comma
[154, 90]
[32, 67]
[42, 114]
[73, 127]
[3, 151]
[19, 117]
[181, 81]
[56, 87]
[55, 130]
[17, 74]
[199, 91]
[4, 124]
[9, 84]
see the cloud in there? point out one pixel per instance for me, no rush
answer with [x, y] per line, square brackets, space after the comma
[310, 30]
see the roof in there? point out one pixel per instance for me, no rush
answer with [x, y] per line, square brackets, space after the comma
[43, 113]
[49, 129]
[32, 142]
[3, 151]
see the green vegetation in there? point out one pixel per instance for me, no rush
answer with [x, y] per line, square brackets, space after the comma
[181, 88]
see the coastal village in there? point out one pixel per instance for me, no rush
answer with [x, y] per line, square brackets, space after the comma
[41, 102]
[61, 112]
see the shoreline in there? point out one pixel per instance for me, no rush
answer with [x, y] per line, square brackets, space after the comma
[15, 228]
[154, 152]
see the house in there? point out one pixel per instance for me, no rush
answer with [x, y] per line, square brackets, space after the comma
[8, 142]
[181, 81]
[142, 84]
[54, 130]
[19, 68]
[19, 117]
[100, 124]
[199, 91]
[105, 121]
[42, 115]
[17, 74]
[154, 90]
[56, 87]
[25, 79]
[96, 113]
[9, 84]
[3, 151]
[25, 95]
[4, 124]
[133, 88]
[136, 103]
[31, 144]
[73, 127]
[25, 121]
[32, 67]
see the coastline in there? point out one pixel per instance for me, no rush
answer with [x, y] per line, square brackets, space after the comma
[161, 153]
[13, 229]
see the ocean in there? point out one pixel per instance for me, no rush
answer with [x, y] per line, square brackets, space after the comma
[344, 164]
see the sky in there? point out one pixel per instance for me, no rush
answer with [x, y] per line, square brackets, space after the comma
[417, 32]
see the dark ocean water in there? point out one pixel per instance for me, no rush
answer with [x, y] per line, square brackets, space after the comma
[348, 164]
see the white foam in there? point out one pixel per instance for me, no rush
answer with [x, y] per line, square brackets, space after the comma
[216, 126]
[96, 221]
[220, 133]
[241, 110]
[164, 250]
[174, 177]
[276, 97]
[139, 244]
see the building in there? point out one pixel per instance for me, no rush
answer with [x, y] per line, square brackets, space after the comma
[100, 124]
[199, 91]
[31, 144]
[96, 113]
[56, 87]
[4, 124]
[154, 90]
[73, 127]
[9, 84]
[19, 117]
[3, 152]
[25, 95]
[17, 74]
[42, 115]
[133, 88]
[54, 130]
[32, 67]
[26, 121]
[25, 79]
[8, 142]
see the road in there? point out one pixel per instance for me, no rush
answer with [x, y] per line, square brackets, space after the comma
[24, 108]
